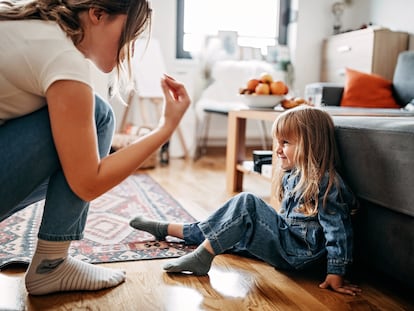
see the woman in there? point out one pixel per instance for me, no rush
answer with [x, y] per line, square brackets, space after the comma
[55, 134]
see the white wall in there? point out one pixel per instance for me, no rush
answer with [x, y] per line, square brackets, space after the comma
[396, 15]
[314, 23]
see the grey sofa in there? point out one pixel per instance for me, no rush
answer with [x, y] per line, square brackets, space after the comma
[378, 162]
[377, 154]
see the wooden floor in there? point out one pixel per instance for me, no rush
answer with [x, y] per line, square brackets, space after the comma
[233, 283]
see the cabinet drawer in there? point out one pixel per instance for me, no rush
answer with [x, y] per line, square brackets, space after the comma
[346, 52]
[371, 50]
[355, 53]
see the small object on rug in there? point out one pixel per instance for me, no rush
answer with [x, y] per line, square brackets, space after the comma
[108, 236]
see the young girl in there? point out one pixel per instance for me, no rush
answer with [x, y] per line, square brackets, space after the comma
[314, 210]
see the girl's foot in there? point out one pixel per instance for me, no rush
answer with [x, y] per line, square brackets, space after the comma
[158, 229]
[197, 262]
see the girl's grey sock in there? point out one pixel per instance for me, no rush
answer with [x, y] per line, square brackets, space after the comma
[159, 229]
[197, 262]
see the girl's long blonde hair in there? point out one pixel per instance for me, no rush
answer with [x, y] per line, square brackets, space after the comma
[316, 153]
[66, 14]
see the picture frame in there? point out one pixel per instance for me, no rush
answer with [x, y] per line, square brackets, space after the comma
[229, 43]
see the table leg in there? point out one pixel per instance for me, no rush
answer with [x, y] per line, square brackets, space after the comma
[236, 149]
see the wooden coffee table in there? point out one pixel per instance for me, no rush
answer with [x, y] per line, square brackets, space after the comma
[236, 144]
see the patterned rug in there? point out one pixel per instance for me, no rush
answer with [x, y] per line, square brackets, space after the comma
[108, 236]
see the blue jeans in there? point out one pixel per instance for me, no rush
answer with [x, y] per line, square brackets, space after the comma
[30, 171]
[244, 225]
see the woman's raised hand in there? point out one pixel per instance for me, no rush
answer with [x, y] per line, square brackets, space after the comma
[176, 102]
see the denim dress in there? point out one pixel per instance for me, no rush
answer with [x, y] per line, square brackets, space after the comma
[287, 239]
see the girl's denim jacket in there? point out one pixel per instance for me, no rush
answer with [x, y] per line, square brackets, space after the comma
[329, 232]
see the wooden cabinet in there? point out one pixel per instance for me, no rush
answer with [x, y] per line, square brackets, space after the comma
[371, 50]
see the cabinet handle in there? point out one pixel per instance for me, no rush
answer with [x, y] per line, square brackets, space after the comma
[344, 49]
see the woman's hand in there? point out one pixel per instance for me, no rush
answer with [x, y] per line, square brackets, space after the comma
[336, 283]
[176, 102]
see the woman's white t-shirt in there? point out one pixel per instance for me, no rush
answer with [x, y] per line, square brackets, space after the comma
[33, 55]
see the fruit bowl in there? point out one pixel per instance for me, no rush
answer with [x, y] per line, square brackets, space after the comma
[262, 101]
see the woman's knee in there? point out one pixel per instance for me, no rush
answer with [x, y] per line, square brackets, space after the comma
[104, 115]
[105, 125]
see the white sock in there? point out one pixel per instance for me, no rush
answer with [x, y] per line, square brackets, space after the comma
[53, 270]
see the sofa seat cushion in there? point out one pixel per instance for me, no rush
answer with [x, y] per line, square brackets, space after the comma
[377, 155]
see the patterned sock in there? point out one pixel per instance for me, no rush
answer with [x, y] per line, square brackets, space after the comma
[197, 262]
[159, 229]
[52, 270]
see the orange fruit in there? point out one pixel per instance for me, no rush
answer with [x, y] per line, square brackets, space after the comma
[266, 78]
[278, 88]
[251, 84]
[262, 89]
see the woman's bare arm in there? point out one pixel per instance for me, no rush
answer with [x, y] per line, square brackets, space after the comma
[71, 113]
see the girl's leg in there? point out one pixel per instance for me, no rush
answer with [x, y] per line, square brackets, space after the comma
[191, 233]
[244, 223]
[159, 229]
[198, 262]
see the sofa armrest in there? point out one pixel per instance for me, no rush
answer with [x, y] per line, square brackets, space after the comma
[330, 93]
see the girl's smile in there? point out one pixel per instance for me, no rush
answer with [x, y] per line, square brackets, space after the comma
[286, 150]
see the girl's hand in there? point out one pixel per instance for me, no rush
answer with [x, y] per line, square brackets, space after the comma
[176, 102]
[336, 283]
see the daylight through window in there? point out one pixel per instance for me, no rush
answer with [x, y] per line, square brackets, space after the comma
[255, 22]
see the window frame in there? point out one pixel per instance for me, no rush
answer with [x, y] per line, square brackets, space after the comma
[284, 18]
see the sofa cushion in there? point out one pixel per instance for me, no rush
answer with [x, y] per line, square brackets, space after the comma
[403, 80]
[367, 90]
[377, 154]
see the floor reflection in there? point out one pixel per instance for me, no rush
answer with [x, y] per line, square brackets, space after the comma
[231, 283]
[182, 298]
[187, 292]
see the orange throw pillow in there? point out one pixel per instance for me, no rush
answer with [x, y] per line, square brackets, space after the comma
[367, 90]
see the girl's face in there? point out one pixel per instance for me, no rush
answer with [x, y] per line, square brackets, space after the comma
[286, 150]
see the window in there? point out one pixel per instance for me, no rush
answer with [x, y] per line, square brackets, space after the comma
[258, 23]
